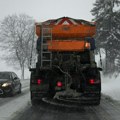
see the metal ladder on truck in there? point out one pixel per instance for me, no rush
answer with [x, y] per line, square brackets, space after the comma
[46, 55]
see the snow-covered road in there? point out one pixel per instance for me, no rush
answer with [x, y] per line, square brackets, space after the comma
[108, 110]
[19, 107]
[111, 87]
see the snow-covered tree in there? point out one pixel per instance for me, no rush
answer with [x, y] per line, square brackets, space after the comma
[16, 36]
[107, 17]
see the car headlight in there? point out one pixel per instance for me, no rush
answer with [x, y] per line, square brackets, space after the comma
[6, 84]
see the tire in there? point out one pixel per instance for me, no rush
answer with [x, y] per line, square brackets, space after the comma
[19, 90]
[93, 101]
[12, 93]
[33, 100]
[97, 102]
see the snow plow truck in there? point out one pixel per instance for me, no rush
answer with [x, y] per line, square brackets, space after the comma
[65, 67]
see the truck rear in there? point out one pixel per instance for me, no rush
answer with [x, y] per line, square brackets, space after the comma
[66, 61]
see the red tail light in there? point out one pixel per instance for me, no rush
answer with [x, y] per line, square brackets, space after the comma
[92, 81]
[87, 45]
[39, 81]
[59, 84]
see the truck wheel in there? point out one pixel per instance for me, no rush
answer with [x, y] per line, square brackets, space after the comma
[33, 100]
[97, 102]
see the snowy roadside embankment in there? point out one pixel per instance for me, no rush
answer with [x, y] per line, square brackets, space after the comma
[10, 109]
[111, 87]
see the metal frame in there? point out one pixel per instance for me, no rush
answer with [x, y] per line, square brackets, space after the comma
[43, 38]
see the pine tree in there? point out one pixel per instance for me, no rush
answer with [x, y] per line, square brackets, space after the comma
[108, 28]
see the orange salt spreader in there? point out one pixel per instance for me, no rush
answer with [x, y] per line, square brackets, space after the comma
[68, 34]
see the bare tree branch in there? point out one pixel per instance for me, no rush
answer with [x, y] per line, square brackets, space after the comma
[16, 36]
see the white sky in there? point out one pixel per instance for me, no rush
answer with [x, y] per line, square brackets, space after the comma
[45, 9]
[42, 10]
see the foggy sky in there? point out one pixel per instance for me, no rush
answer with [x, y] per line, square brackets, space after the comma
[47, 9]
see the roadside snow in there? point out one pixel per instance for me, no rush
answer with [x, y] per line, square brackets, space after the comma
[10, 109]
[111, 87]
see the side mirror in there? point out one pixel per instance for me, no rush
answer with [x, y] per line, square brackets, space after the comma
[15, 78]
[100, 69]
[32, 69]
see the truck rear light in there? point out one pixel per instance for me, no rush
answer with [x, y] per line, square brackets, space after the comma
[59, 84]
[87, 45]
[39, 81]
[92, 81]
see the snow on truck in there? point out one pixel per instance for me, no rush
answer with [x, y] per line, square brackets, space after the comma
[66, 67]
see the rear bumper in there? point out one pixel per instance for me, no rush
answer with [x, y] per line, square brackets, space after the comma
[38, 94]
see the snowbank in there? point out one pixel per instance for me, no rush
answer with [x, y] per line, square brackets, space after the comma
[111, 87]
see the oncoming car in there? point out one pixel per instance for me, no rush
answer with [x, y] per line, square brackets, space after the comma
[9, 83]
